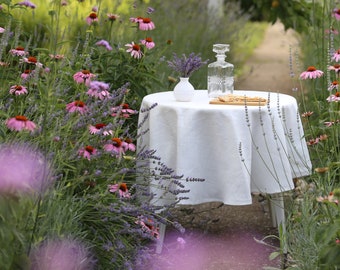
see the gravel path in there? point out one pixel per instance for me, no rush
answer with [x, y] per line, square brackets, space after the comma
[222, 237]
[268, 68]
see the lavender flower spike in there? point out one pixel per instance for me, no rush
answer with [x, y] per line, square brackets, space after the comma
[186, 65]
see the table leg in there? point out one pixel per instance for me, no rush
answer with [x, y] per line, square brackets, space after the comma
[160, 241]
[278, 217]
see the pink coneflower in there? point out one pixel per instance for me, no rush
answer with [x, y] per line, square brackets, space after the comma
[87, 152]
[335, 67]
[64, 3]
[311, 73]
[112, 17]
[336, 56]
[66, 254]
[148, 226]
[76, 106]
[121, 188]
[18, 51]
[336, 14]
[100, 129]
[123, 110]
[334, 98]
[330, 198]
[146, 24]
[32, 61]
[105, 44]
[27, 3]
[129, 145]
[26, 74]
[18, 90]
[57, 56]
[307, 114]
[332, 31]
[134, 50]
[92, 18]
[313, 141]
[115, 146]
[136, 19]
[2, 30]
[331, 123]
[19, 123]
[83, 76]
[99, 90]
[333, 85]
[148, 42]
[23, 169]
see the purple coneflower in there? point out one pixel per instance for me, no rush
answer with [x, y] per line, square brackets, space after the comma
[57, 56]
[26, 74]
[336, 56]
[148, 226]
[112, 17]
[19, 123]
[335, 67]
[121, 188]
[76, 106]
[146, 24]
[333, 85]
[334, 98]
[311, 73]
[100, 129]
[129, 145]
[87, 152]
[32, 61]
[92, 18]
[336, 14]
[83, 76]
[123, 110]
[18, 51]
[134, 50]
[18, 90]
[115, 146]
[148, 43]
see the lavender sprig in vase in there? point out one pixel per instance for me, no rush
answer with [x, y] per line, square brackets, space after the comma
[185, 66]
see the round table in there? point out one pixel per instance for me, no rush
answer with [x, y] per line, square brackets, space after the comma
[237, 149]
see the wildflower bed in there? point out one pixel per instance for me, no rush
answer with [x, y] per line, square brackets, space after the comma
[73, 192]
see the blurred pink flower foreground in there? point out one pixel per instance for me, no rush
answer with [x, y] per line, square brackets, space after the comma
[62, 254]
[23, 169]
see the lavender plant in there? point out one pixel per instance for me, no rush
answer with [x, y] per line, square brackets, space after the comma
[185, 66]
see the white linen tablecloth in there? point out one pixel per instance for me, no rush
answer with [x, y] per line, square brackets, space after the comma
[237, 149]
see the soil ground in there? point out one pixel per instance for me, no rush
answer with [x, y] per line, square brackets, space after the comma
[223, 237]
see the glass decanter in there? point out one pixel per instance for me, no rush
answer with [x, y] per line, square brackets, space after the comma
[220, 73]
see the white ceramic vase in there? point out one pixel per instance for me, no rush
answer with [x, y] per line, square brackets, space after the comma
[184, 90]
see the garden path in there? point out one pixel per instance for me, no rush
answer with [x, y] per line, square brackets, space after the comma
[268, 67]
[222, 237]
